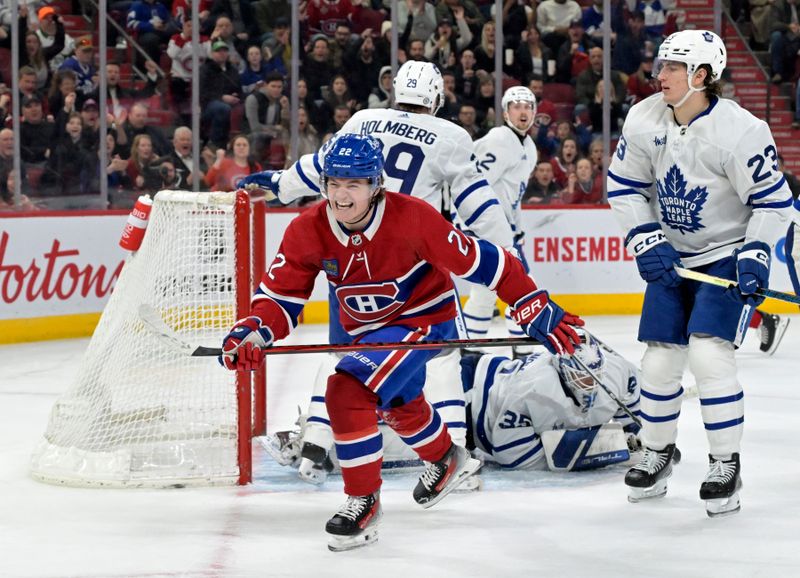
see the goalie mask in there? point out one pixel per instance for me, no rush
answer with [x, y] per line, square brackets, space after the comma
[575, 377]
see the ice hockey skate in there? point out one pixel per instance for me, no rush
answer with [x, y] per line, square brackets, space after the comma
[720, 489]
[355, 524]
[315, 464]
[771, 331]
[648, 478]
[442, 477]
[284, 447]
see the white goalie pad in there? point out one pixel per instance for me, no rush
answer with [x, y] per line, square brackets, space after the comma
[586, 448]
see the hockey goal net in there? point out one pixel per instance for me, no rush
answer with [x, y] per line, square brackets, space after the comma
[141, 412]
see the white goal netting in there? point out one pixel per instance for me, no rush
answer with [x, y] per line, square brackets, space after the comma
[141, 412]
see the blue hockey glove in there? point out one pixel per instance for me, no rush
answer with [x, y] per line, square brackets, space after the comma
[752, 269]
[242, 346]
[265, 180]
[655, 257]
[546, 322]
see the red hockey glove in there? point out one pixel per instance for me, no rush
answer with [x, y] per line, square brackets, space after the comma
[242, 347]
[546, 322]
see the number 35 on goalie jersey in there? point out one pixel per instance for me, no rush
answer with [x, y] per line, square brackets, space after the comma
[394, 272]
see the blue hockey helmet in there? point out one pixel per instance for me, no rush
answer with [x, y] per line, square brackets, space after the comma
[354, 156]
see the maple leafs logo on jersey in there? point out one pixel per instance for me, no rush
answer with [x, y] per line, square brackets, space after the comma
[681, 207]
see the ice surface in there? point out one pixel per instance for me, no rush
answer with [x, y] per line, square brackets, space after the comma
[523, 523]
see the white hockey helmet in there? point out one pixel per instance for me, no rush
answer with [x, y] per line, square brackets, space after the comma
[420, 84]
[573, 375]
[694, 48]
[519, 94]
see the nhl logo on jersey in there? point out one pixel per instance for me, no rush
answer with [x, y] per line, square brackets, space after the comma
[356, 240]
[680, 206]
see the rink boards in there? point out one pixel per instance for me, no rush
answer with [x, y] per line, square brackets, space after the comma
[57, 270]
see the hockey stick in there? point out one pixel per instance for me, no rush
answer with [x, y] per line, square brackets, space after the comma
[155, 323]
[727, 283]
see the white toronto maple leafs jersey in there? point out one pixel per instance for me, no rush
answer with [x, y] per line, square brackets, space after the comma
[512, 402]
[424, 156]
[507, 163]
[712, 184]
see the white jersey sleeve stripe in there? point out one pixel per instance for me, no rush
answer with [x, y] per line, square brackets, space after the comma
[308, 182]
[623, 192]
[766, 192]
[776, 205]
[524, 458]
[480, 210]
[469, 190]
[316, 163]
[517, 442]
[628, 182]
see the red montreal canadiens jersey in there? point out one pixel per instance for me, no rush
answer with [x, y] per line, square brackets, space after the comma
[394, 272]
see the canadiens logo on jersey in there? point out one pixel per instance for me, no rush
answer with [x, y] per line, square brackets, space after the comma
[680, 205]
[370, 302]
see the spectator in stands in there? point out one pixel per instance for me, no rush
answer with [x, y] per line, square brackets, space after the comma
[70, 166]
[564, 162]
[452, 104]
[228, 170]
[180, 51]
[341, 114]
[182, 13]
[316, 66]
[533, 57]
[553, 17]
[339, 94]
[484, 52]
[223, 30]
[420, 16]
[37, 134]
[586, 84]
[255, 70]
[135, 124]
[121, 97]
[791, 180]
[466, 9]
[315, 114]
[631, 46]
[7, 186]
[5, 104]
[221, 92]
[545, 109]
[82, 64]
[56, 43]
[484, 101]
[517, 16]
[241, 16]
[596, 110]
[655, 16]
[64, 83]
[364, 71]
[596, 154]
[145, 168]
[381, 97]
[584, 187]
[542, 189]
[34, 57]
[443, 45]
[117, 172]
[150, 22]
[26, 81]
[796, 121]
[263, 111]
[308, 138]
[573, 56]
[6, 153]
[279, 42]
[642, 84]
[467, 119]
[90, 117]
[549, 141]
[466, 81]
[343, 45]
[181, 157]
[324, 15]
[593, 20]
[416, 50]
[268, 13]
[784, 39]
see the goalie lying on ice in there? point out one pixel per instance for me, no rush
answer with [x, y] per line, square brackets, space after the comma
[538, 412]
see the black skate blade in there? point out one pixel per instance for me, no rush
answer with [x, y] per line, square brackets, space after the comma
[345, 543]
[467, 469]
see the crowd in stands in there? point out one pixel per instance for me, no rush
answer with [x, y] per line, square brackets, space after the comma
[552, 46]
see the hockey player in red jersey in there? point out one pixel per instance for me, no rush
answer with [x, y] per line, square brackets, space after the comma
[388, 257]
